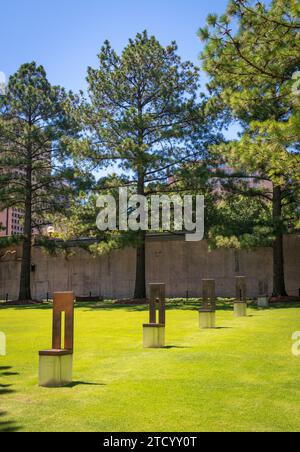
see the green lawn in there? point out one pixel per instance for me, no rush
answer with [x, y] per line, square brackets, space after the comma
[240, 377]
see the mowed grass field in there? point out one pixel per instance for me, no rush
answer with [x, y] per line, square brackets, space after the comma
[241, 376]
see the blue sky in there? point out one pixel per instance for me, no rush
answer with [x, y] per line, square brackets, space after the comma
[66, 35]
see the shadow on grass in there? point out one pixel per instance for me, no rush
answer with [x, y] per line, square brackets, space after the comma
[182, 304]
[170, 347]
[7, 425]
[28, 307]
[108, 305]
[178, 304]
[9, 374]
[281, 306]
[83, 383]
[222, 328]
[192, 304]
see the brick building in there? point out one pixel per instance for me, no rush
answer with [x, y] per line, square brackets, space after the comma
[11, 222]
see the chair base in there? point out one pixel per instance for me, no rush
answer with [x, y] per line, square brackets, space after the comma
[207, 319]
[154, 335]
[263, 302]
[240, 309]
[55, 368]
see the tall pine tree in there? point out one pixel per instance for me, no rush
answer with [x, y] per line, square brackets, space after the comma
[251, 54]
[142, 115]
[36, 173]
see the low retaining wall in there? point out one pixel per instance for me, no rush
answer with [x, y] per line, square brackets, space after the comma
[181, 265]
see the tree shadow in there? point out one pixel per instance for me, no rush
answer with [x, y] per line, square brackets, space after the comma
[5, 371]
[286, 305]
[6, 391]
[182, 304]
[179, 304]
[176, 304]
[111, 305]
[7, 425]
[9, 374]
[34, 307]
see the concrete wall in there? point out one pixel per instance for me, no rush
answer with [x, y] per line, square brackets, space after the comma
[181, 265]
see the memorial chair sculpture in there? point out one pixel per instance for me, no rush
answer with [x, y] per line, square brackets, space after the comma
[240, 304]
[207, 314]
[154, 332]
[263, 298]
[55, 365]
[263, 301]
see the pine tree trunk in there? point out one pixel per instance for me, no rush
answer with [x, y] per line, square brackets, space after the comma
[279, 288]
[140, 279]
[25, 278]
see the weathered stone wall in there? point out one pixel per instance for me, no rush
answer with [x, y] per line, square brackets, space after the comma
[181, 265]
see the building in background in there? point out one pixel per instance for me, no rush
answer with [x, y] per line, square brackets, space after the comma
[11, 222]
[12, 218]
